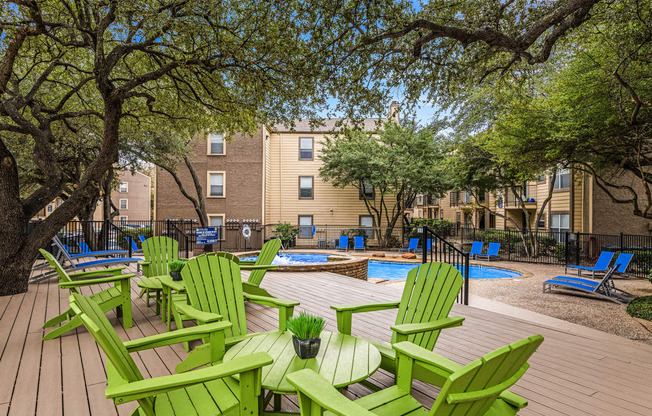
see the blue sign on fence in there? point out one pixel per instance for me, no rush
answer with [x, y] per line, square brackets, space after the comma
[206, 235]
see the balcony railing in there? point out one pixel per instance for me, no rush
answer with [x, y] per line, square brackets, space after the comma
[528, 194]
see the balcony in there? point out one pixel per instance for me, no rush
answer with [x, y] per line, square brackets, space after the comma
[528, 194]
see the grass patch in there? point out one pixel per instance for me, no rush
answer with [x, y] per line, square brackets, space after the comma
[641, 308]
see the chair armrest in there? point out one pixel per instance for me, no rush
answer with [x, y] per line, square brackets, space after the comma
[246, 262]
[159, 385]
[194, 313]
[175, 337]
[268, 301]
[366, 307]
[285, 307]
[513, 399]
[80, 283]
[427, 359]
[144, 263]
[409, 329]
[317, 389]
[257, 267]
[345, 313]
[114, 271]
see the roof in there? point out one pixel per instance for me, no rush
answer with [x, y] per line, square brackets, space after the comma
[328, 125]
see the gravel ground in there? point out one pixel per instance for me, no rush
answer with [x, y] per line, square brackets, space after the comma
[570, 306]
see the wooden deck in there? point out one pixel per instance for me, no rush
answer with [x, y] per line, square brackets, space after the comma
[576, 371]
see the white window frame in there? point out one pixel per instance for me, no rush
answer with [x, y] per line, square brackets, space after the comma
[209, 149]
[220, 232]
[208, 183]
[126, 185]
[370, 231]
[562, 172]
[305, 228]
[126, 203]
[558, 229]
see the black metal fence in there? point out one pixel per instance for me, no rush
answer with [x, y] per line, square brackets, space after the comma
[560, 247]
[444, 251]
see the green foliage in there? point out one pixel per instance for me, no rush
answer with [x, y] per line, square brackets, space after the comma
[649, 276]
[354, 232]
[641, 307]
[305, 326]
[441, 227]
[125, 233]
[641, 260]
[286, 231]
[177, 265]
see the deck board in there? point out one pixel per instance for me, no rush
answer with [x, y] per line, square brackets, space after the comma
[577, 371]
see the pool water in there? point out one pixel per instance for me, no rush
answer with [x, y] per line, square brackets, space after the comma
[295, 258]
[396, 271]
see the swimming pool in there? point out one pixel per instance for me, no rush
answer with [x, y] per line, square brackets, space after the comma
[285, 259]
[396, 271]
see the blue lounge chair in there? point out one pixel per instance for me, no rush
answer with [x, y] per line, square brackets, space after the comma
[428, 245]
[605, 288]
[476, 249]
[86, 252]
[358, 243]
[134, 246]
[600, 266]
[412, 246]
[142, 238]
[344, 243]
[622, 262]
[492, 251]
[94, 263]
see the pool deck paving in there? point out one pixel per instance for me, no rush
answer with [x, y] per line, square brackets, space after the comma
[577, 370]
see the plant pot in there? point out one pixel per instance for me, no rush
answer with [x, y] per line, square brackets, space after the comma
[176, 276]
[306, 348]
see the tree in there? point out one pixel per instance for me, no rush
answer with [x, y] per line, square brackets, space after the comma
[105, 71]
[398, 161]
[591, 108]
[478, 171]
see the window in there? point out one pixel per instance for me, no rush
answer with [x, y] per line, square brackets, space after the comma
[123, 204]
[541, 178]
[217, 221]
[216, 184]
[467, 220]
[559, 224]
[306, 148]
[123, 219]
[367, 221]
[124, 187]
[305, 187]
[216, 144]
[367, 190]
[305, 226]
[49, 208]
[562, 180]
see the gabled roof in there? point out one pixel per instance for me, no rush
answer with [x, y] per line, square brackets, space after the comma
[329, 125]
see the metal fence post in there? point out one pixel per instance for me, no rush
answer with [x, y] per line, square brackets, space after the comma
[621, 242]
[424, 245]
[577, 248]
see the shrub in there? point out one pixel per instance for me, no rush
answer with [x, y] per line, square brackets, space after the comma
[441, 227]
[176, 265]
[133, 233]
[286, 231]
[305, 326]
[641, 308]
[354, 232]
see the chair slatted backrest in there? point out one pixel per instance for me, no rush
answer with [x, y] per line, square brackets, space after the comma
[414, 243]
[214, 284]
[265, 258]
[104, 334]
[63, 276]
[226, 255]
[159, 251]
[623, 261]
[429, 294]
[358, 241]
[84, 247]
[473, 389]
[344, 241]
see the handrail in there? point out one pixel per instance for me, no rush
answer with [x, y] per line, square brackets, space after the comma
[442, 250]
[177, 229]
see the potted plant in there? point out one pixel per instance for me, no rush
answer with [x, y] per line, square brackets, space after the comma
[305, 330]
[286, 232]
[175, 267]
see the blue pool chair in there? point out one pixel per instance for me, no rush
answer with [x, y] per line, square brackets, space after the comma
[344, 243]
[605, 288]
[622, 262]
[134, 246]
[600, 266]
[412, 246]
[142, 238]
[358, 243]
[492, 252]
[86, 251]
[476, 249]
[428, 245]
[94, 263]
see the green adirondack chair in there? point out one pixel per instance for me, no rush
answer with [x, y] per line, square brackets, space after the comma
[209, 391]
[116, 297]
[478, 388]
[265, 258]
[429, 294]
[214, 289]
[158, 251]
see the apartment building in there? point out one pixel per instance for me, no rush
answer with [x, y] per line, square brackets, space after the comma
[577, 205]
[269, 177]
[133, 198]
